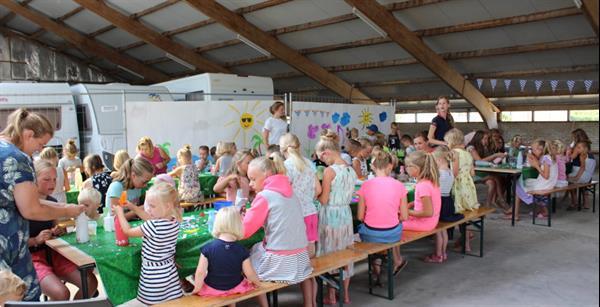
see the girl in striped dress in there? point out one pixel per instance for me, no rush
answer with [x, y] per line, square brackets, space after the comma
[335, 217]
[159, 281]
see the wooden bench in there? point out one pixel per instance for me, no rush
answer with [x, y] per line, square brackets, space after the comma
[549, 197]
[321, 268]
[82, 260]
[206, 202]
[337, 261]
[475, 218]
[195, 300]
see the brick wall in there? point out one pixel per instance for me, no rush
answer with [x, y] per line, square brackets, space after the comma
[529, 131]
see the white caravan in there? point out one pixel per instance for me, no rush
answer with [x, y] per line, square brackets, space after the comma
[54, 100]
[100, 110]
[216, 87]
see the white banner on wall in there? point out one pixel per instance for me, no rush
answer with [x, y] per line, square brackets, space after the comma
[170, 124]
[308, 119]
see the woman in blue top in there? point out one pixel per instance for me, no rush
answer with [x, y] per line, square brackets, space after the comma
[25, 133]
[442, 123]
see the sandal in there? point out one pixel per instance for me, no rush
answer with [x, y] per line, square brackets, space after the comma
[400, 267]
[327, 301]
[433, 259]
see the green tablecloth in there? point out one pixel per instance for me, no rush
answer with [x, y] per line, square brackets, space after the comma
[207, 182]
[119, 267]
[526, 172]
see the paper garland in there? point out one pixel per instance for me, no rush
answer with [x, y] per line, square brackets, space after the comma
[538, 84]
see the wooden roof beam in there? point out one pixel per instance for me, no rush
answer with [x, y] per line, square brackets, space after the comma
[150, 36]
[136, 16]
[88, 44]
[590, 10]
[238, 24]
[289, 29]
[472, 26]
[410, 42]
[459, 55]
[60, 19]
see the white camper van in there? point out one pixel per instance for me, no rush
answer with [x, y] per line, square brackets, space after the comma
[54, 100]
[216, 87]
[100, 111]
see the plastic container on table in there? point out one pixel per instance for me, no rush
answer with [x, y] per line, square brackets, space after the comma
[120, 238]
[222, 204]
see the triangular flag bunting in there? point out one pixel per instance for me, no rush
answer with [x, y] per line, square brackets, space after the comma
[553, 85]
[522, 83]
[588, 85]
[538, 84]
[493, 83]
[507, 83]
[479, 83]
[570, 85]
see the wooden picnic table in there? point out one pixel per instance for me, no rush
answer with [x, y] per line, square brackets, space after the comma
[513, 176]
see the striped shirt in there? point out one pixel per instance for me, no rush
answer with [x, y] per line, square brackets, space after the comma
[159, 280]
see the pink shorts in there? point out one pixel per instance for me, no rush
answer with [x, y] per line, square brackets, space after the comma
[312, 227]
[60, 265]
[243, 287]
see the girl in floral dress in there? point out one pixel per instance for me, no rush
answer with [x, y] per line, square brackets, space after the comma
[335, 217]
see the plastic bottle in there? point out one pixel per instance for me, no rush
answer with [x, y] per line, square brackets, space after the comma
[240, 200]
[109, 223]
[78, 179]
[120, 238]
[370, 176]
[211, 220]
[520, 160]
[81, 228]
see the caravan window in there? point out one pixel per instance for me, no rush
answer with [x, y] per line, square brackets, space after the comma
[52, 114]
[84, 121]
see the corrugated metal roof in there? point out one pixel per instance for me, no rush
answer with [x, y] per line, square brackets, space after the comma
[278, 15]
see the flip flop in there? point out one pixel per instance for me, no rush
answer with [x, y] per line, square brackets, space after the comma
[400, 267]
[433, 259]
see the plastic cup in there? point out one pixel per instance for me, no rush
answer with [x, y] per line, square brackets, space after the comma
[92, 227]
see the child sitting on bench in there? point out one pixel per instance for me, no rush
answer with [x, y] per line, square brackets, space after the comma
[381, 207]
[223, 262]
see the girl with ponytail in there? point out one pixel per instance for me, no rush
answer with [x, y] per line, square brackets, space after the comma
[189, 186]
[132, 176]
[425, 212]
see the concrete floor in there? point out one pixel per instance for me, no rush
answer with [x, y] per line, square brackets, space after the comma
[523, 266]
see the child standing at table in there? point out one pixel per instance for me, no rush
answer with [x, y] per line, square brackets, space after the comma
[62, 181]
[335, 217]
[159, 281]
[12, 287]
[98, 178]
[443, 159]
[225, 152]
[283, 255]
[223, 262]
[236, 177]
[465, 194]
[70, 161]
[359, 161]
[425, 212]
[305, 184]
[381, 207]
[544, 162]
[189, 186]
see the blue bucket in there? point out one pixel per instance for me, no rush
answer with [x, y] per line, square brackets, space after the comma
[222, 204]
